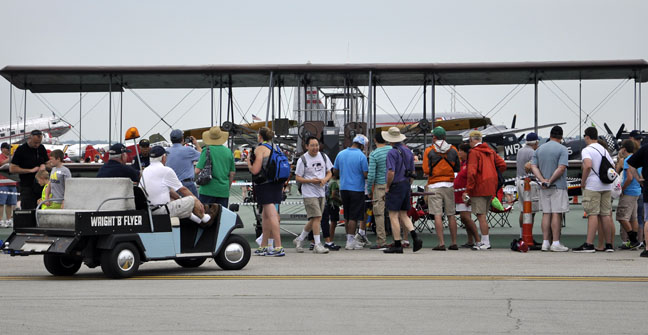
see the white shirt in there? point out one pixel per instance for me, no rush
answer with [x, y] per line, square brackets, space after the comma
[157, 180]
[316, 167]
[594, 152]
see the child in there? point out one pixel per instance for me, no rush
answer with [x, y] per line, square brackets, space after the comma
[56, 187]
[42, 177]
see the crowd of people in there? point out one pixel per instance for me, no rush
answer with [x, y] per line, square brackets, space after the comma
[461, 181]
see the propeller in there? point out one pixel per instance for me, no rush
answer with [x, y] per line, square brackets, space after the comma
[521, 137]
[621, 129]
[608, 129]
[514, 119]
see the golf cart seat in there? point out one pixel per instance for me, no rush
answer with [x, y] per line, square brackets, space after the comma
[88, 195]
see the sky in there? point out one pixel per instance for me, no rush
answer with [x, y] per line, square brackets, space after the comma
[295, 32]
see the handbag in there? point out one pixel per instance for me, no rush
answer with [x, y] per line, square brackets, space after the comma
[205, 174]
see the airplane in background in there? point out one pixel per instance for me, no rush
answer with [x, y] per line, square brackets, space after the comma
[52, 128]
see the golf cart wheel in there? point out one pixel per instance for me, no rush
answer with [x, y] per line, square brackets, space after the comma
[235, 253]
[120, 262]
[191, 262]
[61, 265]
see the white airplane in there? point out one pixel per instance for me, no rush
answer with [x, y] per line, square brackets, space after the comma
[51, 127]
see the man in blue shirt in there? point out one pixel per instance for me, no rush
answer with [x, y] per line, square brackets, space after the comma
[181, 158]
[627, 208]
[115, 167]
[351, 164]
[400, 166]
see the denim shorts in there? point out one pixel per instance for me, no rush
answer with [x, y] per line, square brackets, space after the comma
[398, 197]
[8, 199]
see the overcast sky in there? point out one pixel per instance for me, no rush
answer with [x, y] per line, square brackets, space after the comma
[291, 32]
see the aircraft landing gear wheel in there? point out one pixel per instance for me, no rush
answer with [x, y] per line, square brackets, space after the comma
[60, 265]
[235, 253]
[120, 262]
[191, 262]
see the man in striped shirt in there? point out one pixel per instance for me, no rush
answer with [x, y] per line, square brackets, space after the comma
[376, 187]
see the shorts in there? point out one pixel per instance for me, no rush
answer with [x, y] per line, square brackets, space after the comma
[627, 208]
[268, 193]
[8, 199]
[463, 208]
[314, 207]
[597, 202]
[535, 195]
[480, 205]
[331, 213]
[180, 208]
[354, 205]
[442, 198]
[398, 197]
[554, 200]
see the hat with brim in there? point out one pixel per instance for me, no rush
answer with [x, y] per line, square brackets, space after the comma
[215, 136]
[393, 135]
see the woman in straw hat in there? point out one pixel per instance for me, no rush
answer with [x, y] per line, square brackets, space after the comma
[267, 194]
[223, 169]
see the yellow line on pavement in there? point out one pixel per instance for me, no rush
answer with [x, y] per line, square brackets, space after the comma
[351, 277]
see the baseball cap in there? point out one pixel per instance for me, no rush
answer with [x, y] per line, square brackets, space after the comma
[144, 143]
[176, 134]
[531, 137]
[157, 151]
[36, 132]
[439, 132]
[636, 134]
[359, 139]
[117, 149]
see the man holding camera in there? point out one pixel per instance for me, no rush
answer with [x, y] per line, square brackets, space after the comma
[181, 158]
[549, 165]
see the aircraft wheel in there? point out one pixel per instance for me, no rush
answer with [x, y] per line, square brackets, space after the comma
[61, 265]
[191, 262]
[235, 253]
[120, 262]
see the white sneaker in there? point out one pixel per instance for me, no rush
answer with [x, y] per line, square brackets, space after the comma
[354, 245]
[546, 247]
[3, 224]
[9, 223]
[559, 248]
[361, 240]
[319, 249]
[299, 245]
[481, 246]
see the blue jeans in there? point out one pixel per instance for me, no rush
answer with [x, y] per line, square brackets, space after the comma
[207, 199]
[191, 186]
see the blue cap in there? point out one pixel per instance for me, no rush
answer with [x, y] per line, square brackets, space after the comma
[636, 134]
[531, 137]
[117, 149]
[176, 134]
[157, 151]
[359, 139]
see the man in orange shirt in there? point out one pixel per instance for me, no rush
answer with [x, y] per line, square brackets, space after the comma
[440, 162]
[483, 165]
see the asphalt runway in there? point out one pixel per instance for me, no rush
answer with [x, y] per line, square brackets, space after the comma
[347, 292]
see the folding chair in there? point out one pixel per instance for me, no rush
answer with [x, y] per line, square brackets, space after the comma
[499, 218]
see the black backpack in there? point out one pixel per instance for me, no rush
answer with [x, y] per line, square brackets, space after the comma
[303, 160]
[606, 172]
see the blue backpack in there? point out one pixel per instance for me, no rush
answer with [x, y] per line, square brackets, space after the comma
[278, 168]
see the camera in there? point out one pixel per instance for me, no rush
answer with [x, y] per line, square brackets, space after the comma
[410, 174]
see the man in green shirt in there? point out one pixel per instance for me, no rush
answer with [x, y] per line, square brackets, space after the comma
[217, 190]
[376, 187]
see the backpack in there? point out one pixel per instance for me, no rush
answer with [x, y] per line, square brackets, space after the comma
[303, 160]
[277, 170]
[606, 172]
[205, 174]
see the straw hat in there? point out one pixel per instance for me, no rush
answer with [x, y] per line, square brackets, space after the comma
[393, 135]
[214, 136]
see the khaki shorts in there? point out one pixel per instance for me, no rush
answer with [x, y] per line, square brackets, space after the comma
[627, 208]
[553, 200]
[180, 208]
[480, 205]
[597, 202]
[314, 207]
[440, 199]
[535, 195]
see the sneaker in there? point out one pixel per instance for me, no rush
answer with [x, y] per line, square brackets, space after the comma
[558, 248]
[311, 246]
[276, 252]
[546, 247]
[609, 248]
[259, 240]
[9, 223]
[481, 246]
[418, 244]
[261, 251]
[625, 245]
[439, 248]
[354, 245]
[332, 246]
[405, 244]
[299, 245]
[362, 239]
[453, 247]
[585, 248]
[644, 253]
[640, 245]
[319, 249]
[3, 224]
[467, 245]
[378, 247]
[393, 250]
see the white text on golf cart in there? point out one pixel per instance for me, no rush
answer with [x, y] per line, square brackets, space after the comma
[112, 221]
